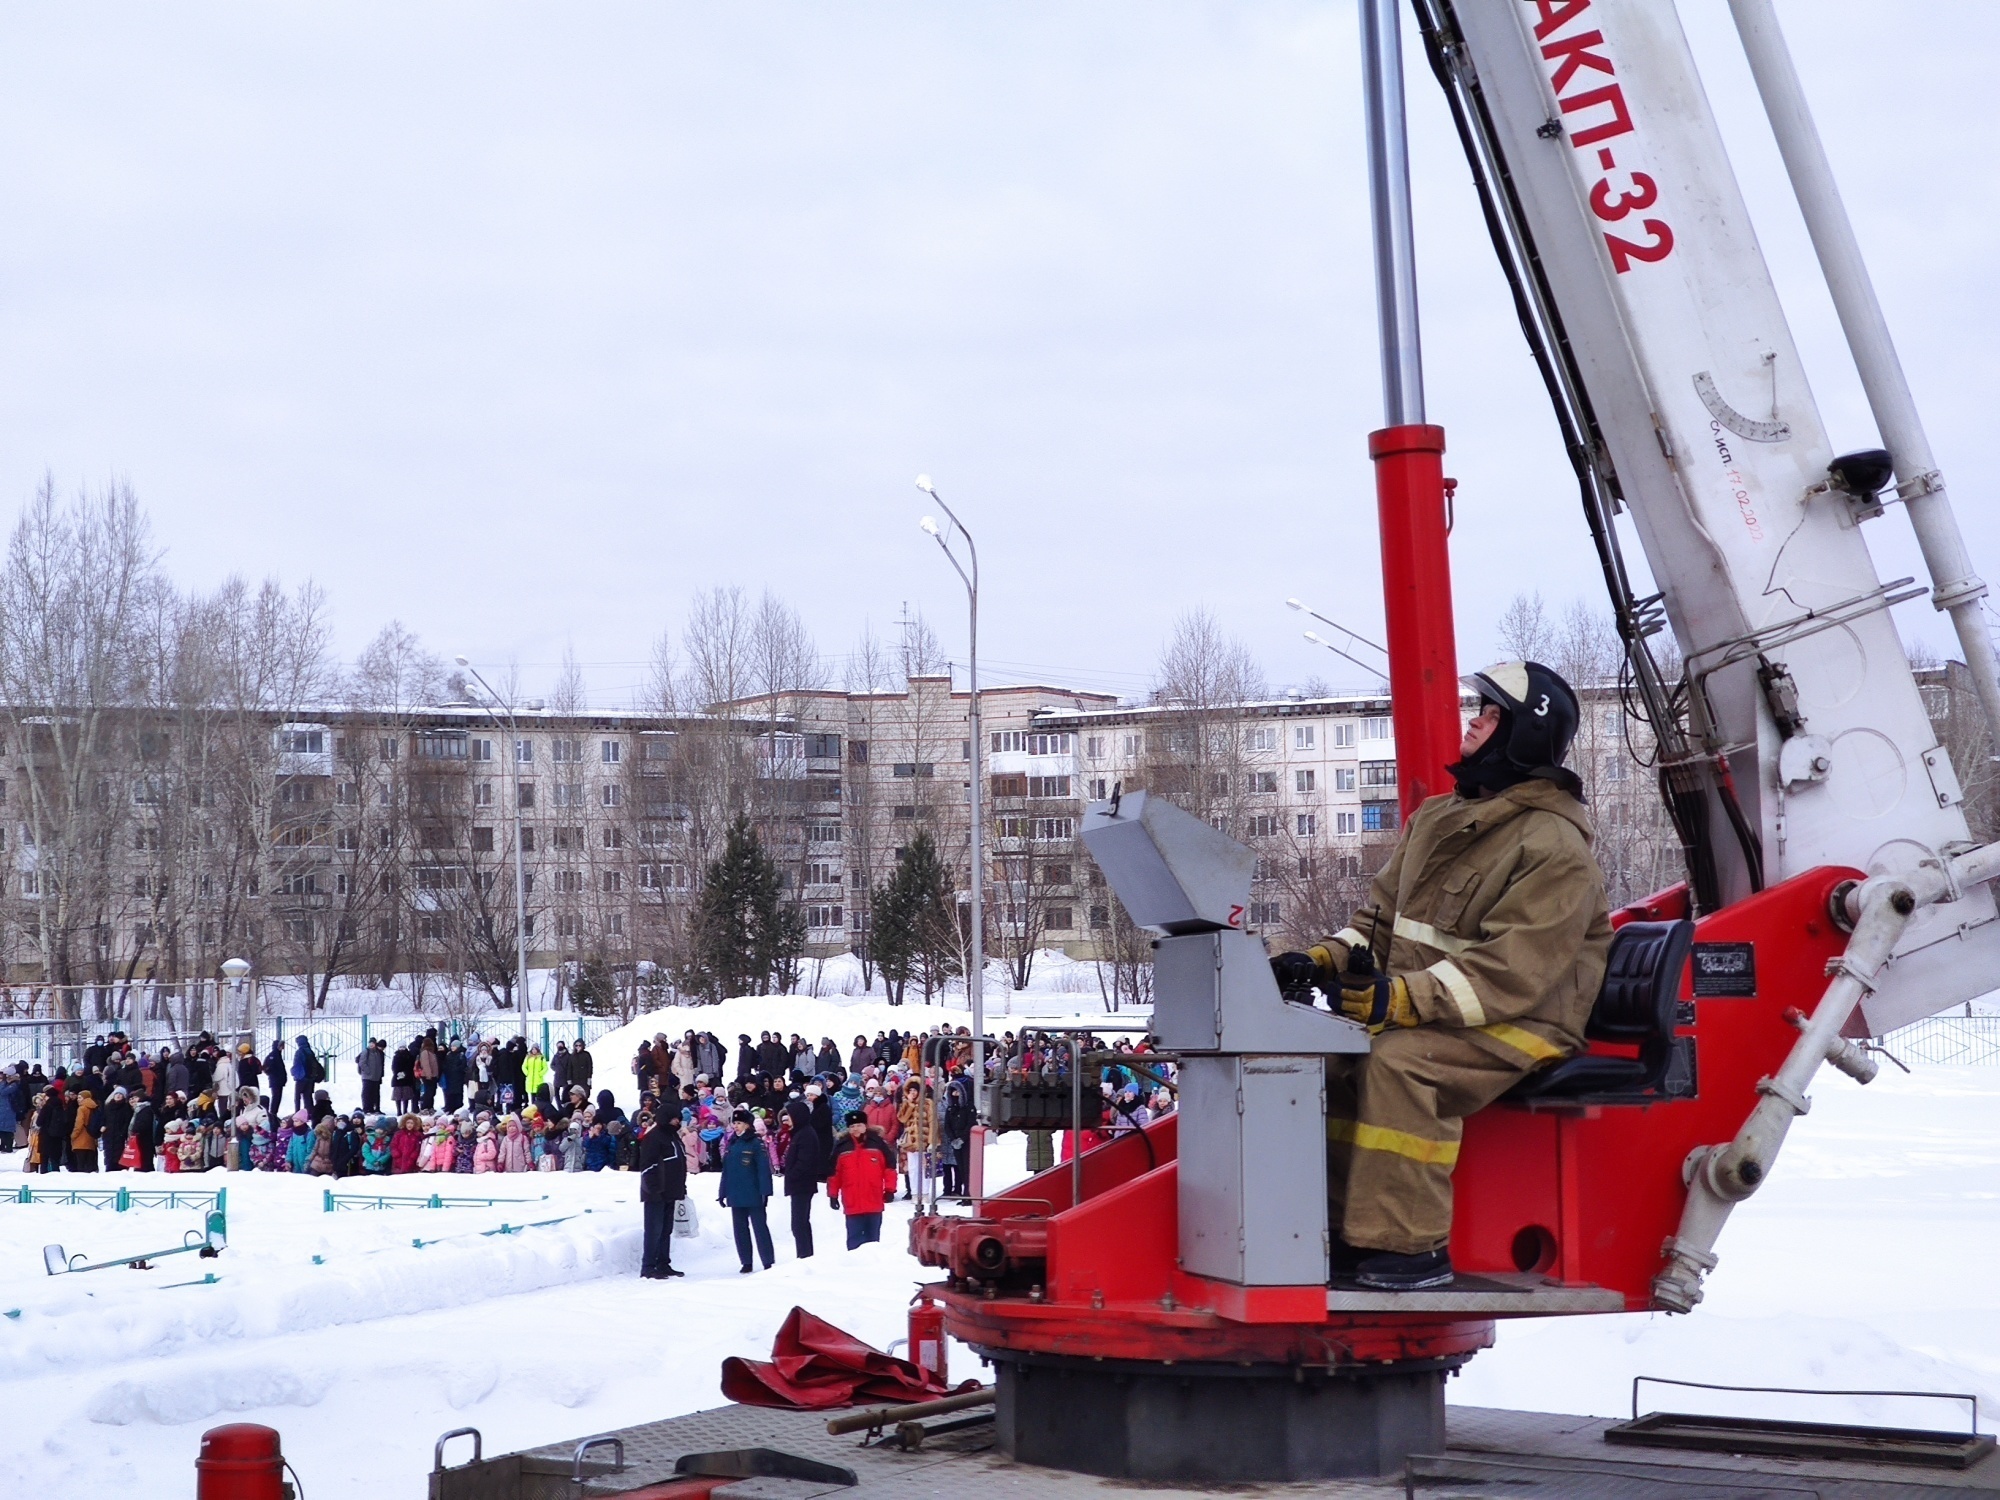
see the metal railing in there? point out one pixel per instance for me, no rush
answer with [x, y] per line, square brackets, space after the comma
[1948, 1041]
[60, 1042]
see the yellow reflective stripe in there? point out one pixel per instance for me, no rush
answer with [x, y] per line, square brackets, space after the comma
[1423, 932]
[1397, 1142]
[1350, 937]
[1523, 1041]
[1463, 995]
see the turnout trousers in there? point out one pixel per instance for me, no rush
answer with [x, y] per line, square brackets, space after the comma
[1394, 1120]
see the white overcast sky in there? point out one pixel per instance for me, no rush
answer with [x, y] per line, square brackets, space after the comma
[522, 323]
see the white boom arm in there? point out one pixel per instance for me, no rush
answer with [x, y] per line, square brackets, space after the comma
[1622, 225]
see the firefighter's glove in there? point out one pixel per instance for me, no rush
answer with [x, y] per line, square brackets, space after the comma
[1296, 974]
[1377, 1003]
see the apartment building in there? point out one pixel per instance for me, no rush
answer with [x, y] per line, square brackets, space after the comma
[352, 841]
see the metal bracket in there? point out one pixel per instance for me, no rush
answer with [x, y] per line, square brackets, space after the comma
[1799, 1103]
[1944, 777]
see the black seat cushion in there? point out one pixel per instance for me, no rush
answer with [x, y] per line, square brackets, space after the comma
[1637, 1005]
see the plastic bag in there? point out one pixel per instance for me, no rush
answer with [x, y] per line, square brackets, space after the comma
[687, 1224]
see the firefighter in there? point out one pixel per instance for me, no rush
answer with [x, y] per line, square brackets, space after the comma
[1475, 961]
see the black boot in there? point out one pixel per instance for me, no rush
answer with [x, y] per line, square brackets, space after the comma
[1345, 1259]
[1387, 1271]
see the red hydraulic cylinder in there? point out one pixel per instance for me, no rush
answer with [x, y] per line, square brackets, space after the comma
[1416, 598]
[240, 1461]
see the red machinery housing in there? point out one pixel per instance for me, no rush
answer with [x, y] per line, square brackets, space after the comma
[1567, 1205]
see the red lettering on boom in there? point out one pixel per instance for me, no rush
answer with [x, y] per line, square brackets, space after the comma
[1556, 14]
[1620, 122]
[1575, 53]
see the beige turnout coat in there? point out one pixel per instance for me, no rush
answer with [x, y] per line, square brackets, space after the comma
[1493, 911]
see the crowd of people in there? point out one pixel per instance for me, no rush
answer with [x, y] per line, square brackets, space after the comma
[893, 1113]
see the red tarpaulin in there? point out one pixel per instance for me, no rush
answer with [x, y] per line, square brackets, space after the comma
[814, 1366]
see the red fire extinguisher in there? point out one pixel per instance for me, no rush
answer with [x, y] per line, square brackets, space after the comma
[927, 1340]
[241, 1461]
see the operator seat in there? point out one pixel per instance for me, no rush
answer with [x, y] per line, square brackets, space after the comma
[1638, 1005]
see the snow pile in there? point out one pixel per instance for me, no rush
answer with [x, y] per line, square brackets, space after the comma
[1860, 1264]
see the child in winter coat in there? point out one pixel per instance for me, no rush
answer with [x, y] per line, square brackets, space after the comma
[406, 1145]
[485, 1152]
[170, 1151]
[463, 1147]
[319, 1150]
[375, 1150]
[600, 1149]
[572, 1146]
[513, 1153]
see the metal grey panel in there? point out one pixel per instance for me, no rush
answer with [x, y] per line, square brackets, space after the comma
[1211, 1168]
[1283, 1135]
[1186, 981]
[1170, 869]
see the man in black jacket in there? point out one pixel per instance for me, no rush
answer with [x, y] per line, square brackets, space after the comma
[662, 1183]
[774, 1058]
[805, 1168]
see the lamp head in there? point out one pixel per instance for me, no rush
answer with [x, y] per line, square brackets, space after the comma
[929, 524]
[924, 484]
[1289, 604]
[1313, 636]
[462, 661]
[237, 969]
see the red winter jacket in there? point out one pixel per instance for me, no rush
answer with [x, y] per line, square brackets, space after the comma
[864, 1174]
[404, 1147]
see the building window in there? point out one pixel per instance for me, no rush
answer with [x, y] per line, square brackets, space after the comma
[611, 882]
[1262, 781]
[822, 916]
[1264, 914]
[821, 873]
[1094, 747]
[614, 838]
[1048, 786]
[566, 752]
[569, 794]
[1302, 736]
[1010, 785]
[527, 837]
[613, 793]
[1343, 735]
[1060, 919]
[482, 841]
[1344, 822]
[1100, 918]
[822, 833]
[1007, 741]
[1263, 871]
[908, 769]
[1262, 826]
[482, 749]
[1048, 744]
[1098, 788]
[824, 746]
[524, 752]
[1132, 743]
[857, 752]
[904, 813]
[1343, 779]
[1378, 773]
[1051, 830]
[610, 751]
[1308, 824]
[301, 741]
[1375, 729]
[1378, 817]
[1302, 780]
[569, 882]
[442, 744]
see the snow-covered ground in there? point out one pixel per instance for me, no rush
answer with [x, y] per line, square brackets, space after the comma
[1861, 1264]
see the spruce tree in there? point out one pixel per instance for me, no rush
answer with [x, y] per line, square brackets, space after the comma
[915, 931]
[744, 931]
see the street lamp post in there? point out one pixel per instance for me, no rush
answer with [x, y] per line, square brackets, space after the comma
[520, 873]
[975, 979]
[236, 971]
